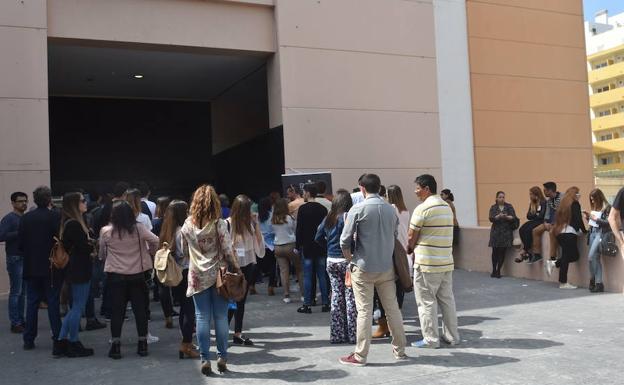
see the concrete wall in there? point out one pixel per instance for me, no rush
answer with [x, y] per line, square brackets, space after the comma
[473, 254]
[24, 148]
[240, 113]
[529, 96]
[240, 25]
[356, 98]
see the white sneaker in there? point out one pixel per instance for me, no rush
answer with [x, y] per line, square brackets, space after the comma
[152, 339]
[286, 300]
[550, 265]
[567, 286]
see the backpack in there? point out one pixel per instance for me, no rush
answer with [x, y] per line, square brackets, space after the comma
[168, 271]
[59, 257]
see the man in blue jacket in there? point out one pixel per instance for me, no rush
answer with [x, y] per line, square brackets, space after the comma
[14, 261]
[35, 239]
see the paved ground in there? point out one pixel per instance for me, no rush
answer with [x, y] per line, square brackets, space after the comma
[513, 331]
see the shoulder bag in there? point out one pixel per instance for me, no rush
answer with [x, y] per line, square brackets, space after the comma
[231, 283]
[401, 267]
[608, 245]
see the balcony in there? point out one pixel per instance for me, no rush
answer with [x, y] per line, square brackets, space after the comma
[606, 98]
[609, 146]
[609, 167]
[608, 122]
[606, 73]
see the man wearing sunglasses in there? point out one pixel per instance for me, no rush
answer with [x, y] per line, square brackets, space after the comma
[14, 260]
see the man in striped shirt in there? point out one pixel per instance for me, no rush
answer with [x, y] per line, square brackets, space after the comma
[431, 240]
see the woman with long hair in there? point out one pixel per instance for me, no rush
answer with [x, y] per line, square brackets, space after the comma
[502, 215]
[598, 220]
[568, 225]
[449, 198]
[206, 243]
[171, 233]
[248, 243]
[343, 312]
[284, 228]
[77, 241]
[127, 249]
[267, 266]
[394, 196]
[133, 197]
[160, 292]
[535, 217]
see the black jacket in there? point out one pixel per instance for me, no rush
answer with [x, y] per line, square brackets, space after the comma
[77, 244]
[576, 220]
[35, 239]
[309, 217]
[539, 214]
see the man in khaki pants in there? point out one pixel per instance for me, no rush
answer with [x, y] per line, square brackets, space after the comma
[374, 224]
[431, 239]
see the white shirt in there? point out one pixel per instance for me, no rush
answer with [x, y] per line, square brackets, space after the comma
[357, 197]
[325, 202]
[151, 206]
[285, 233]
[144, 219]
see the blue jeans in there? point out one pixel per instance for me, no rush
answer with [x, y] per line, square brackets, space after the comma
[210, 305]
[595, 266]
[38, 289]
[71, 322]
[309, 264]
[17, 291]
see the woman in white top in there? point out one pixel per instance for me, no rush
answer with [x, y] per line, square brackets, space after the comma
[394, 196]
[248, 243]
[284, 226]
[133, 197]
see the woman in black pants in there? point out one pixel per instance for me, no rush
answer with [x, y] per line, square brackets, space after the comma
[504, 220]
[568, 225]
[247, 242]
[127, 249]
[171, 233]
[535, 217]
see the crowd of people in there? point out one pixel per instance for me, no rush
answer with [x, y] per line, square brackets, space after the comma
[342, 245]
[560, 215]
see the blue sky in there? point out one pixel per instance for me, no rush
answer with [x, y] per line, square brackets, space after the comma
[590, 7]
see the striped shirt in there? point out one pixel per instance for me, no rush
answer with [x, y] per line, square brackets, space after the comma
[434, 248]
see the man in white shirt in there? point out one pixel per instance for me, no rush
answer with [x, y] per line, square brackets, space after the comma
[145, 193]
[358, 197]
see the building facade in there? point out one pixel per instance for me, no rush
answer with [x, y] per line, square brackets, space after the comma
[605, 65]
[395, 87]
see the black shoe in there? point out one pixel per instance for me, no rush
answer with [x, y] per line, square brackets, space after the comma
[115, 350]
[242, 341]
[175, 314]
[599, 288]
[534, 258]
[29, 345]
[493, 275]
[325, 308]
[142, 348]
[592, 285]
[59, 348]
[17, 329]
[75, 349]
[498, 274]
[94, 324]
[304, 309]
[314, 302]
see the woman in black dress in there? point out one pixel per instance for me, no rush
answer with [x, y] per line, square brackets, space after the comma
[504, 221]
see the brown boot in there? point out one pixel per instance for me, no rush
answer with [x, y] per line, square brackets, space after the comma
[188, 351]
[382, 330]
[169, 322]
[271, 290]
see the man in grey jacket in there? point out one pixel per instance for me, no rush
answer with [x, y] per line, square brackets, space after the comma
[374, 224]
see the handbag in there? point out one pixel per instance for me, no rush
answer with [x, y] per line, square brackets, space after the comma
[59, 257]
[401, 267]
[168, 271]
[231, 283]
[608, 245]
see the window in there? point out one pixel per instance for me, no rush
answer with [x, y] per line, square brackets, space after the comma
[606, 160]
[606, 137]
[602, 89]
[600, 65]
[604, 113]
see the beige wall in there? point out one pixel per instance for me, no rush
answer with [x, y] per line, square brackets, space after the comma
[356, 98]
[24, 148]
[240, 25]
[529, 94]
[240, 113]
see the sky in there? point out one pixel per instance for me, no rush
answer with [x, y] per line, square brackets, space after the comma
[590, 7]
